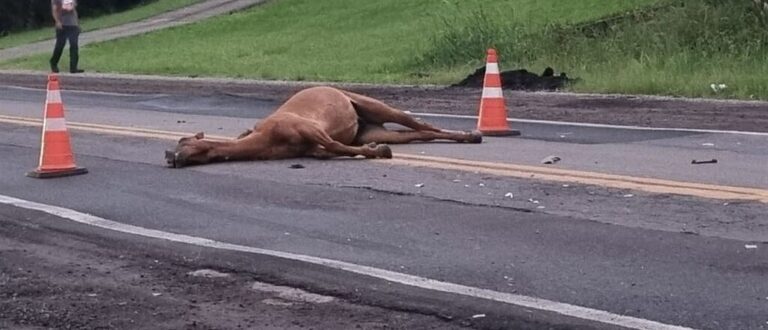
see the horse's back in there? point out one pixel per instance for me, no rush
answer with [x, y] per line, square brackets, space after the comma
[326, 106]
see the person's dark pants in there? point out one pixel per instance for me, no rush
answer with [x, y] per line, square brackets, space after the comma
[71, 33]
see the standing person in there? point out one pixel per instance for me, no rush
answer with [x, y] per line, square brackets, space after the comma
[67, 28]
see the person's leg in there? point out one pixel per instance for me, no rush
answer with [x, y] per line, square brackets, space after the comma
[58, 49]
[73, 34]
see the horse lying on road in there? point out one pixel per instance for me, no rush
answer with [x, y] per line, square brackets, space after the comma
[320, 122]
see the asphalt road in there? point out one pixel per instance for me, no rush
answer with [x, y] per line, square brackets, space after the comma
[673, 259]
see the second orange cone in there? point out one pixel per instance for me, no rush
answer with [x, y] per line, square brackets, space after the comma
[56, 158]
[492, 117]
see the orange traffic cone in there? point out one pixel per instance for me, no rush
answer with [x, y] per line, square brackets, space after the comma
[56, 157]
[492, 119]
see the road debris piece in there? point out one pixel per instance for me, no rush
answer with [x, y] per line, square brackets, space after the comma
[291, 294]
[296, 166]
[533, 201]
[550, 160]
[711, 161]
[628, 195]
[708, 144]
[510, 195]
[750, 246]
[419, 185]
[209, 273]
[477, 316]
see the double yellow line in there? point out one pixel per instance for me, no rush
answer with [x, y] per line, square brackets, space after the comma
[651, 185]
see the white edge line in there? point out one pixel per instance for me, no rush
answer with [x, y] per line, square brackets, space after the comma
[410, 280]
[565, 123]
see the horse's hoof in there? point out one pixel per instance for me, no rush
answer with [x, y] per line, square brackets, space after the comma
[170, 158]
[475, 137]
[383, 151]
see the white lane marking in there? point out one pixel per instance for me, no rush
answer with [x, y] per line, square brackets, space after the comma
[593, 125]
[406, 279]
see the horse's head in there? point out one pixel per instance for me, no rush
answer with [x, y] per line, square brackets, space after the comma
[190, 151]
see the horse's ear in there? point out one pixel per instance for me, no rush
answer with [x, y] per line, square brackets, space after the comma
[199, 135]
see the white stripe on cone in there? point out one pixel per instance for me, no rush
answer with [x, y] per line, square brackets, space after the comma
[53, 97]
[491, 68]
[492, 92]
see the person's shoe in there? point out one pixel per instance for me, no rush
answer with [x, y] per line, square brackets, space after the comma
[77, 71]
[54, 66]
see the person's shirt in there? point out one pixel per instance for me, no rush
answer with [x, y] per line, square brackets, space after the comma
[68, 11]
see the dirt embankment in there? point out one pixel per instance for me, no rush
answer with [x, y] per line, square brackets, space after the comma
[603, 109]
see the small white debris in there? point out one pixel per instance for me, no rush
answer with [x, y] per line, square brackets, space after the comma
[566, 185]
[750, 246]
[481, 184]
[91, 295]
[533, 201]
[726, 204]
[477, 316]
[291, 294]
[466, 186]
[209, 273]
[541, 207]
[456, 180]
[628, 195]
[286, 233]
[717, 87]
[510, 195]
[708, 144]
[156, 294]
[550, 160]
[419, 185]
[276, 302]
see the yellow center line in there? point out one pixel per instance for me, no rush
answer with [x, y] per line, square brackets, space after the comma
[652, 185]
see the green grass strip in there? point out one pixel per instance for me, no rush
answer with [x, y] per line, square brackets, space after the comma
[88, 24]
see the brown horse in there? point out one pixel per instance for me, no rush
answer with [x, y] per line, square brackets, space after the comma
[320, 122]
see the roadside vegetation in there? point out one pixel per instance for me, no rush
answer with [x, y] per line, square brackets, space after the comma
[87, 24]
[665, 47]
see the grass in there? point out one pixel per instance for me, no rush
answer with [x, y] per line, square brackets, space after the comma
[88, 24]
[329, 40]
[679, 50]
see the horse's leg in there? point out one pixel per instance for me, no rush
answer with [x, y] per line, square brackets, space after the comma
[317, 136]
[379, 134]
[244, 134]
[375, 112]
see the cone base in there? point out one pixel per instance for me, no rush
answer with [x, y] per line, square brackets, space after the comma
[58, 173]
[501, 132]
